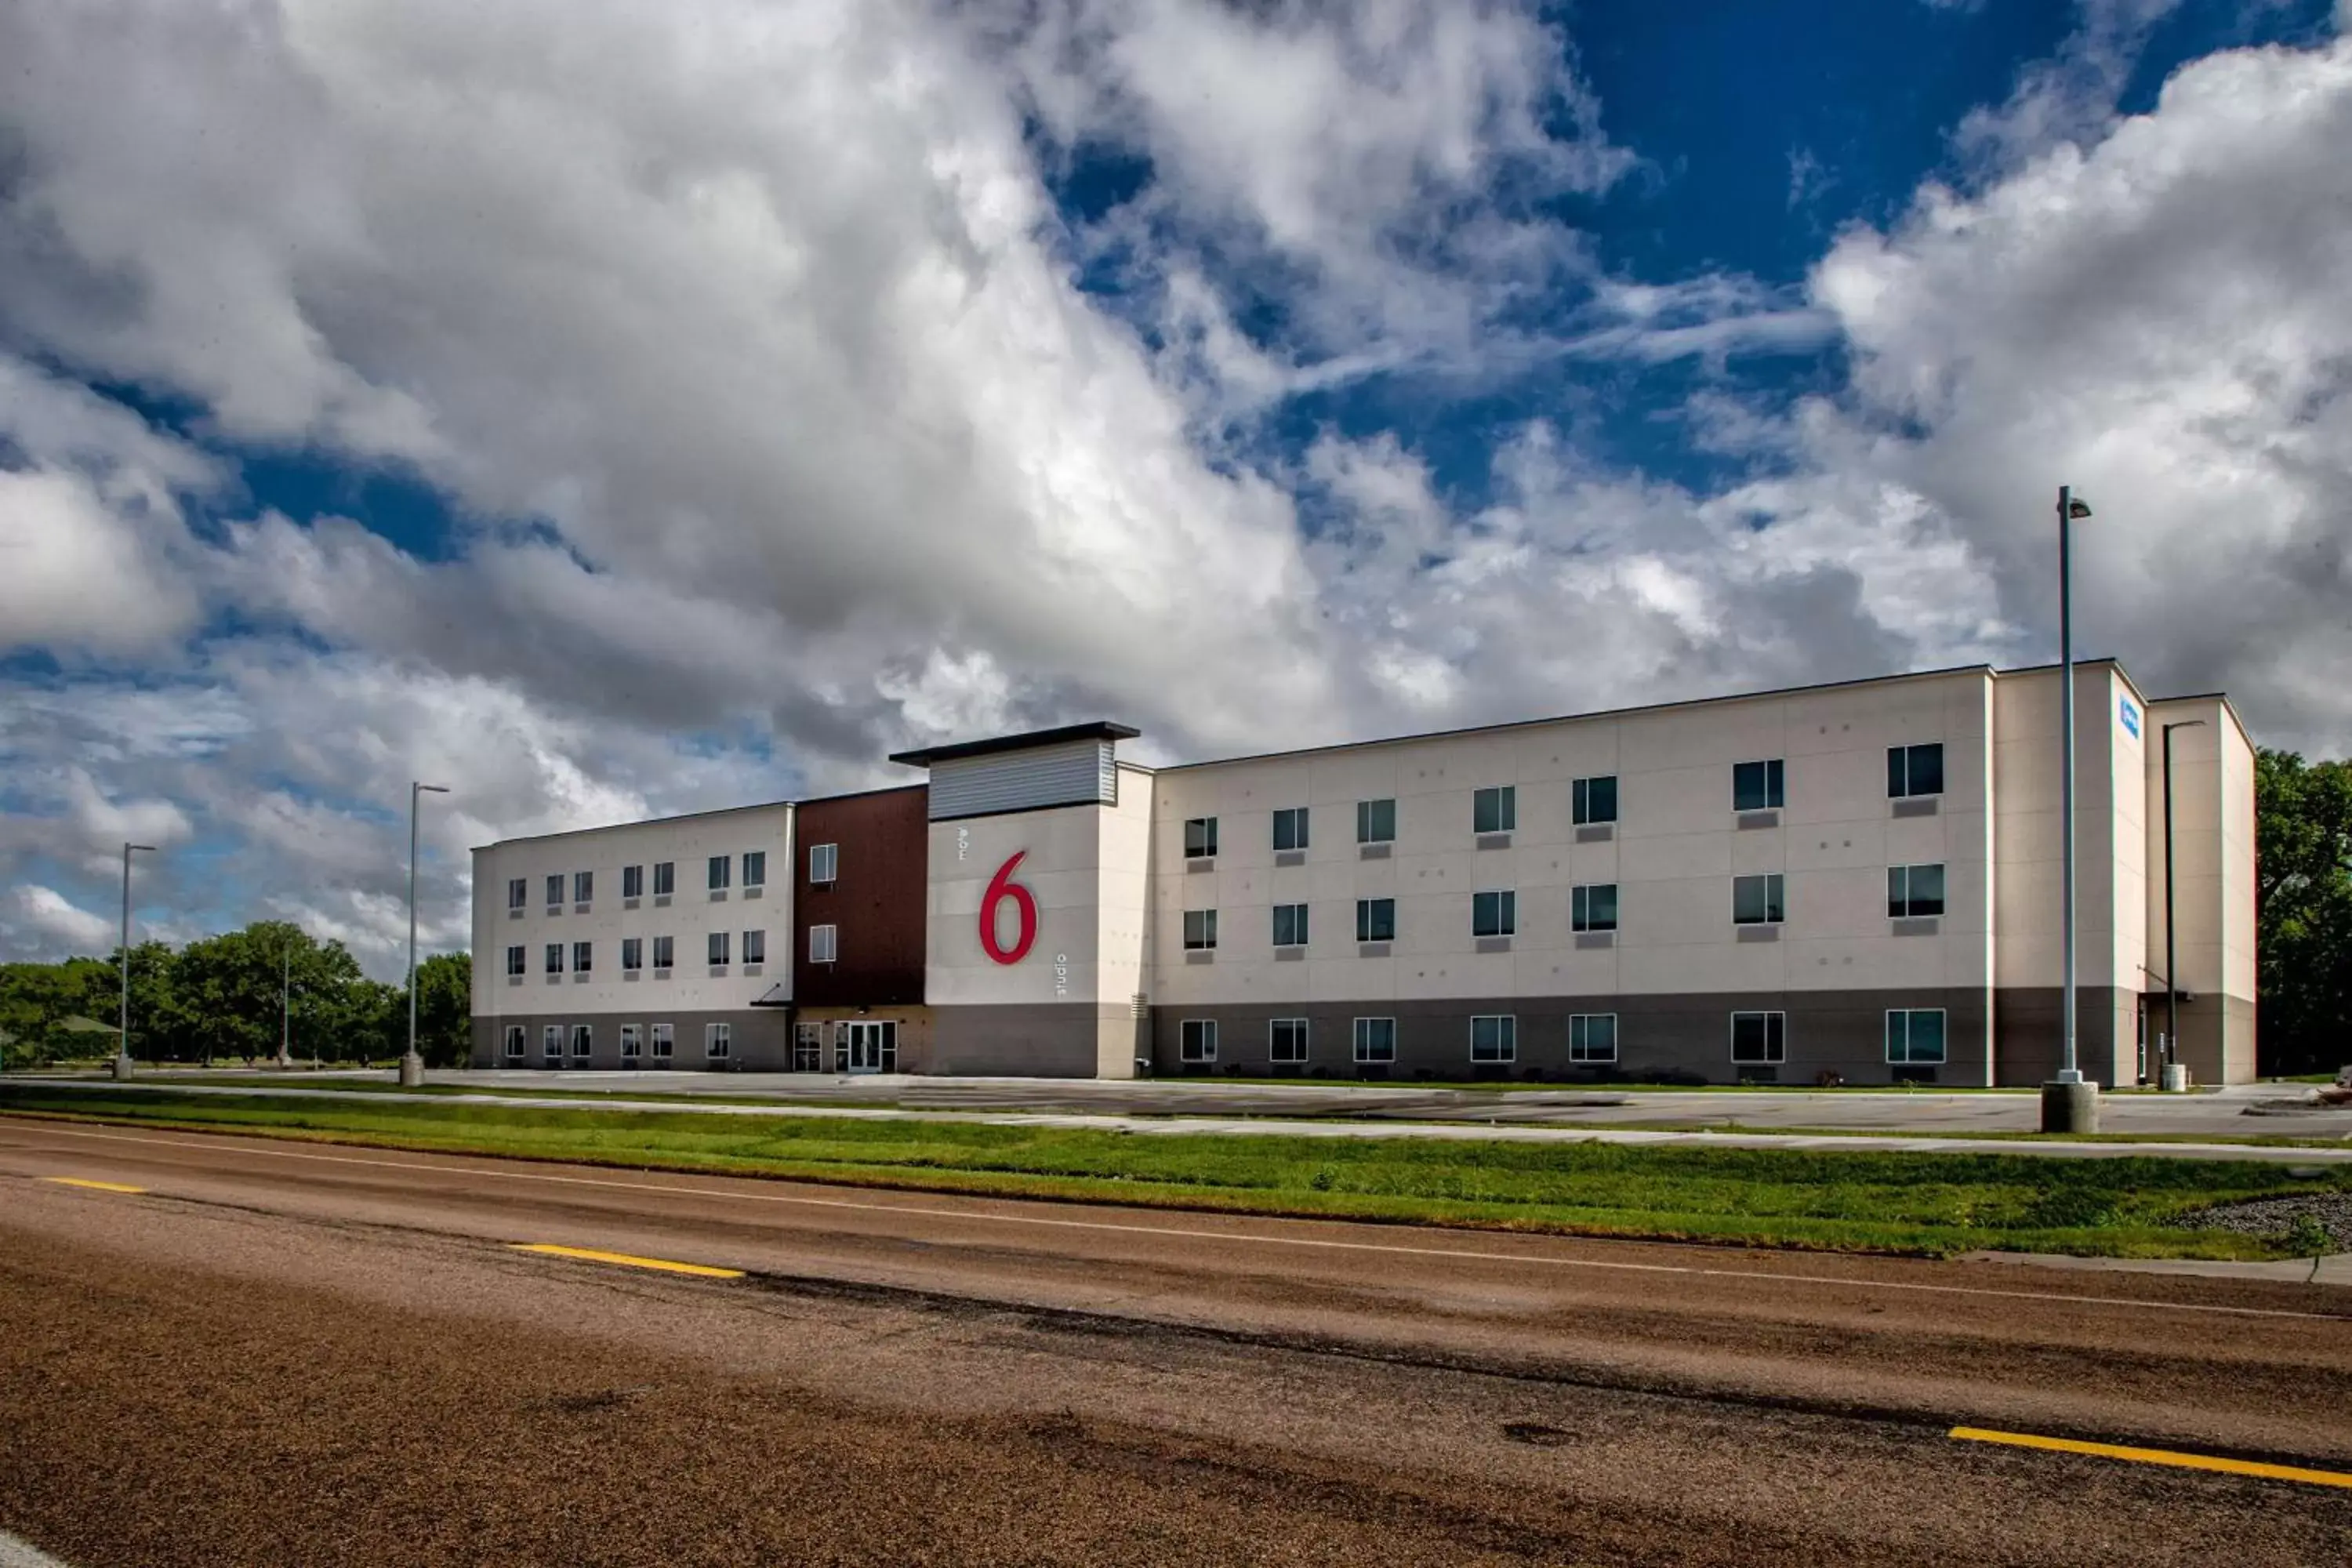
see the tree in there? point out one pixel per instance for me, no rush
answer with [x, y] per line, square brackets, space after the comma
[2303, 912]
[444, 1009]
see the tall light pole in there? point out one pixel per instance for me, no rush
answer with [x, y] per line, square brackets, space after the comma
[122, 1067]
[412, 1066]
[2172, 973]
[2068, 1103]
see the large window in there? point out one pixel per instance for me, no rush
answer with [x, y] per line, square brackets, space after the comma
[1914, 769]
[1376, 1039]
[583, 1040]
[755, 947]
[824, 944]
[1592, 1037]
[1198, 1039]
[1375, 821]
[808, 1047]
[1594, 800]
[1200, 837]
[1759, 1037]
[1375, 919]
[721, 868]
[555, 890]
[1757, 901]
[755, 867]
[665, 878]
[1593, 906]
[718, 944]
[1914, 891]
[717, 1041]
[1200, 930]
[1285, 1041]
[582, 956]
[1495, 810]
[1290, 827]
[664, 947]
[555, 958]
[632, 1042]
[659, 1038]
[824, 863]
[516, 1038]
[515, 962]
[1494, 913]
[632, 881]
[633, 953]
[583, 886]
[517, 892]
[1290, 925]
[1915, 1036]
[1757, 786]
[1495, 1039]
[551, 1042]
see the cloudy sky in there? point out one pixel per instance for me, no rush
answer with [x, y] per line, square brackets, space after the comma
[615, 408]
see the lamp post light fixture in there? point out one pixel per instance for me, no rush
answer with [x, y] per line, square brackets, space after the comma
[2069, 1104]
[122, 1067]
[412, 1066]
[2172, 973]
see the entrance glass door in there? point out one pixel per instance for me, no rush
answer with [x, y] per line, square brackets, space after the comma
[873, 1046]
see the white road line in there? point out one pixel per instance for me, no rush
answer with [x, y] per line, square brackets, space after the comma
[1187, 1234]
[18, 1553]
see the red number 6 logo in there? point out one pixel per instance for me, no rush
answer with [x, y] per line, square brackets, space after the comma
[1003, 885]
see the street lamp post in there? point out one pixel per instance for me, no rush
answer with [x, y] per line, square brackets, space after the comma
[412, 1066]
[2069, 1104]
[122, 1067]
[2171, 972]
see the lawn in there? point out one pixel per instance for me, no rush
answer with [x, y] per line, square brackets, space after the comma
[1862, 1201]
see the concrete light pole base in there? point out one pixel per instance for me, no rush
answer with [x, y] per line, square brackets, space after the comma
[2070, 1107]
[412, 1071]
[122, 1067]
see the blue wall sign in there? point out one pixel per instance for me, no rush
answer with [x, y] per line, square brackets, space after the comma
[2129, 715]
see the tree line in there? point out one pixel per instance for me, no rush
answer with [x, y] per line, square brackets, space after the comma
[2302, 918]
[236, 996]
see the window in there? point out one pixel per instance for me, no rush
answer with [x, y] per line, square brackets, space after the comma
[1495, 1039]
[1290, 925]
[659, 1039]
[517, 892]
[1495, 810]
[1915, 1036]
[1593, 906]
[1759, 1037]
[633, 953]
[718, 948]
[1376, 1039]
[1592, 1037]
[1200, 930]
[662, 948]
[515, 965]
[1200, 837]
[1594, 800]
[1914, 891]
[632, 881]
[721, 867]
[755, 947]
[824, 863]
[1756, 900]
[1494, 914]
[1376, 822]
[583, 886]
[808, 1047]
[1198, 1040]
[1285, 1040]
[1290, 827]
[632, 1042]
[1375, 919]
[824, 944]
[1914, 769]
[755, 868]
[551, 1042]
[555, 889]
[582, 1040]
[583, 952]
[555, 958]
[665, 878]
[515, 1040]
[1757, 786]
[717, 1041]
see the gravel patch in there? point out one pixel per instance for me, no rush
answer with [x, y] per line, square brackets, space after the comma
[2276, 1216]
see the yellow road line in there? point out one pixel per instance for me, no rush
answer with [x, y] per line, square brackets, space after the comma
[2154, 1456]
[702, 1271]
[93, 1186]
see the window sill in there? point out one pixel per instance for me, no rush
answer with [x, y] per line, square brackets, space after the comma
[1493, 943]
[1759, 933]
[1290, 856]
[1767, 818]
[1596, 939]
[1916, 806]
[1596, 833]
[1373, 851]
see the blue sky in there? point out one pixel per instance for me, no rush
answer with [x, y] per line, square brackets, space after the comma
[614, 411]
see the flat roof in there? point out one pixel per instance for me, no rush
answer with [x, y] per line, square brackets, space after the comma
[1099, 730]
[633, 822]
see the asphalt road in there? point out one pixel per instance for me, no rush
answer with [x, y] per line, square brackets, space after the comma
[280, 1353]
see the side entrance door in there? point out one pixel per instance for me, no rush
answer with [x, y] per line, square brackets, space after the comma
[873, 1046]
